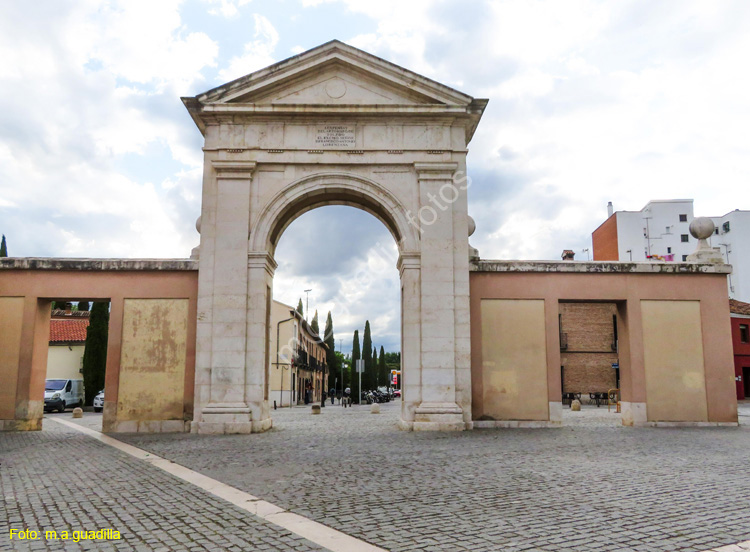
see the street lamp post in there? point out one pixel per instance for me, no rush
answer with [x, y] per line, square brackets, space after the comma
[307, 302]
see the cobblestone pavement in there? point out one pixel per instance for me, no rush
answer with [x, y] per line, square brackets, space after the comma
[59, 479]
[592, 486]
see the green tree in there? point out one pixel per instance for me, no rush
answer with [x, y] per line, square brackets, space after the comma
[367, 380]
[3, 248]
[300, 310]
[83, 305]
[346, 361]
[60, 305]
[334, 379]
[354, 376]
[95, 353]
[314, 324]
[375, 367]
[383, 369]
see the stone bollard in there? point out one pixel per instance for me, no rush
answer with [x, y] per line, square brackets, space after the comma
[316, 409]
[575, 406]
[78, 412]
[374, 408]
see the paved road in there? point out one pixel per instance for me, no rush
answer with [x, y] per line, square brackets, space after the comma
[591, 486]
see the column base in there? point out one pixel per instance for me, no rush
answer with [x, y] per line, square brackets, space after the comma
[437, 417]
[228, 419]
[33, 424]
[633, 413]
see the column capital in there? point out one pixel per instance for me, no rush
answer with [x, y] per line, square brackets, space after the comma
[435, 171]
[408, 260]
[262, 259]
[233, 169]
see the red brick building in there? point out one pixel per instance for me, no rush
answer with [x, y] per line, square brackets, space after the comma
[740, 318]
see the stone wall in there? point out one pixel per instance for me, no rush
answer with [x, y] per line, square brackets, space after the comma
[674, 341]
[150, 375]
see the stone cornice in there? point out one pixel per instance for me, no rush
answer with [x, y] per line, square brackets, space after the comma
[592, 267]
[54, 263]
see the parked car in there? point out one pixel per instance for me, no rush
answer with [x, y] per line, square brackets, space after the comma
[397, 392]
[99, 401]
[60, 394]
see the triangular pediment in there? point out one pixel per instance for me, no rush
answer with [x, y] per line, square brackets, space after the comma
[334, 73]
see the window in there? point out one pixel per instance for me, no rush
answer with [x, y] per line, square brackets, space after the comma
[744, 334]
[684, 258]
[684, 238]
[683, 218]
[725, 227]
[669, 249]
[716, 230]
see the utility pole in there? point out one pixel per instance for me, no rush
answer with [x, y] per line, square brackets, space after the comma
[727, 250]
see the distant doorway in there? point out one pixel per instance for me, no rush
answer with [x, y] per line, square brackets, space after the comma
[746, 380]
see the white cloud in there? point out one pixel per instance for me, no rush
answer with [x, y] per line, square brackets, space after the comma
[256, 54]
[227, 8]
[87, 85]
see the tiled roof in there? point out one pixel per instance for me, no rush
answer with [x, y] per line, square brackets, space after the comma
[68, 330]
[738, 307]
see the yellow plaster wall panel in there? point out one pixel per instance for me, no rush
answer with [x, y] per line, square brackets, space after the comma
[152, 361]
[11, 320]
[514, 360]
[673, 358]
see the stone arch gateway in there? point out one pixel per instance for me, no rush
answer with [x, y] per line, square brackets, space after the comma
[332, 126]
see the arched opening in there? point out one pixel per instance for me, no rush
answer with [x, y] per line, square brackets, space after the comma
[331, 189]
[345, 260]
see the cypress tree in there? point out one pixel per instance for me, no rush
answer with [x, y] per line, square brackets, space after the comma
[83, 305]
[385, 375]
[367, 377]
[314, 324]
[300, 310]
[354, 376]
[95, 353]
[3, 248]
[334, 369]
[375, 367]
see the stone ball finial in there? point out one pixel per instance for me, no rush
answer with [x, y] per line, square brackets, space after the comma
[472, 226]
[198, 224]
[702, 228]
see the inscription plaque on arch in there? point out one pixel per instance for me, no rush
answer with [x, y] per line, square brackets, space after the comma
[335, 136]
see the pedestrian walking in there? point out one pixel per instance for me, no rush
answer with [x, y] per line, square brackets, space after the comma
[332, 394]
[346, 400]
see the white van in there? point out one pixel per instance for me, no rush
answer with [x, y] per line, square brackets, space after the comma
[60, 394]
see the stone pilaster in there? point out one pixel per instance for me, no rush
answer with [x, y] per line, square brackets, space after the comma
[438, 300]
[221, 404]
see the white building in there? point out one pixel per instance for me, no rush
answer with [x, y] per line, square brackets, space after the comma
[732, 236]
[67, 342]
[660, 232]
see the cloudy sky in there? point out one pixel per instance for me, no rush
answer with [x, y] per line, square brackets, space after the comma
[590, 101]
